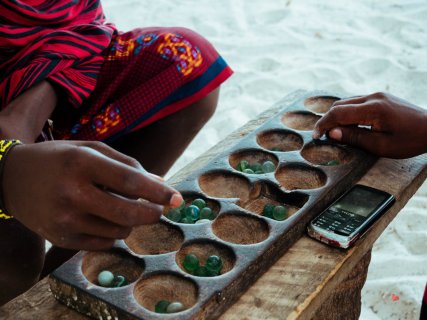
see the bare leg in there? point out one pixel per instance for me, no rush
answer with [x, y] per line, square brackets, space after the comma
[21, 259]
[160, 144]
[156, 147]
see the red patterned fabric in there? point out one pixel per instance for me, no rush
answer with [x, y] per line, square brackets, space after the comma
[58, 40]
[117, 83]
[148, 74]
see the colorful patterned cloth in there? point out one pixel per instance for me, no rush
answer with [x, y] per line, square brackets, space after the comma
[58, 40]
[147, 74]
[109, 83]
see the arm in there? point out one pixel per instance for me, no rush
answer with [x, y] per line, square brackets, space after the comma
[25, 116]
[398, 129]
[76, 194]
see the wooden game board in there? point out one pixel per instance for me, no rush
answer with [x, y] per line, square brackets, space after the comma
[151, 258]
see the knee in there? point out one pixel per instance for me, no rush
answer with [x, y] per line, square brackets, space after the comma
[204, 109]
[22, 261]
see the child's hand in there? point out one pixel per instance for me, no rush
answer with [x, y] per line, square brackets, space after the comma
[398, 128]
[81, 195]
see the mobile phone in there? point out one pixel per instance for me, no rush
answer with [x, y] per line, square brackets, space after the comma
[348, 217]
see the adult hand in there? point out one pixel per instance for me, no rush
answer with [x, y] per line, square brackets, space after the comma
[81, 195]
[398, 129]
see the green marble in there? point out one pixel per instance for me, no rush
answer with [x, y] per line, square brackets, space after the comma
[119, 281]
[256, 167]
[174, 307]
[244, 164]
[192, 213]
[331, 163]
[191, 263]
[280, 213]
[248, 171]
[268, 166]
[213, 264]
[268, 210]
[174, 215]
[199, 203]
[182, 206]
[187, 221]
[207, 213]
[105, 278]
[259, 172]
[161, 306]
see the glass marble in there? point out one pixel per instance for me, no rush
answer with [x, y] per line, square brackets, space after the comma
[268, 166]
[207, 213]
[244, 164]
[248, 171]
[119, 281]
[192, 213]
[174, 307]
[256, 167]
[105, 278]
[268, 211]
[331, 163]
[187, 221]
[214, 264]
[161, 306]
[174, 215]
[279, 213]
[199, 203]
[191, 263]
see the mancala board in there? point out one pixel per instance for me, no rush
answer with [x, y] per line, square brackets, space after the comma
[151, 258]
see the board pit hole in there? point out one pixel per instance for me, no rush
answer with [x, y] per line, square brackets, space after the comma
[326, 154]
[116, 261]
[254, 158]
[300, 120]
[240, 228]
[268, 194]
[223, 184]
[165, 286]
[295, 176]
[320, 104]
[203, 250]
[280, 140]
[189, 197]
[153, 239]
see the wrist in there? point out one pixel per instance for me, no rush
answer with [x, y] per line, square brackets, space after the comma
[5, 147]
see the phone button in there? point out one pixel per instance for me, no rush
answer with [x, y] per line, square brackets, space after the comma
[342, 232]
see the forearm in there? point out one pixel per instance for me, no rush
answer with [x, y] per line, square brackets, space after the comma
[25, 116]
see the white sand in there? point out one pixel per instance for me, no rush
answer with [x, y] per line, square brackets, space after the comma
[352, 47]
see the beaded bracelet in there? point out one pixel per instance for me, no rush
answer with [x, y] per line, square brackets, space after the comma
[5, 147]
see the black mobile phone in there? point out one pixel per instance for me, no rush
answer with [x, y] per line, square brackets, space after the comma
[346, 219]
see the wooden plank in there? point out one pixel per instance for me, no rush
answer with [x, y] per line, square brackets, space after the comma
[300, 282]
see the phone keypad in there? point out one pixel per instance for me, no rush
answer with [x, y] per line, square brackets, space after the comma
[340, 222]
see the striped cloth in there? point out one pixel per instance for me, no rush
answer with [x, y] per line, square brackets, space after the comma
[61, 41]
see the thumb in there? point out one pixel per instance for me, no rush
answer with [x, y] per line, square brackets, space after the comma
[358, 137]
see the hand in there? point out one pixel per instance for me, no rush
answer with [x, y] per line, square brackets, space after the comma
[398, 129]
[81, 195]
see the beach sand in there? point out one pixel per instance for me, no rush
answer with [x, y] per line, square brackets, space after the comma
[348, 47]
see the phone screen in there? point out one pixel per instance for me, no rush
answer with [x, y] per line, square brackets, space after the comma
[360, 201]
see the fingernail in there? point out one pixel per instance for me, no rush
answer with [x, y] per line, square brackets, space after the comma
[176, 200]
[336, 134]
[156, 177]
[316, 134]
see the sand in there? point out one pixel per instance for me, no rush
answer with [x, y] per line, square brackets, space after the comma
[349, 47]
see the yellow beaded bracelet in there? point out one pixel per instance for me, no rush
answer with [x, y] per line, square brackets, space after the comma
[5, 147]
